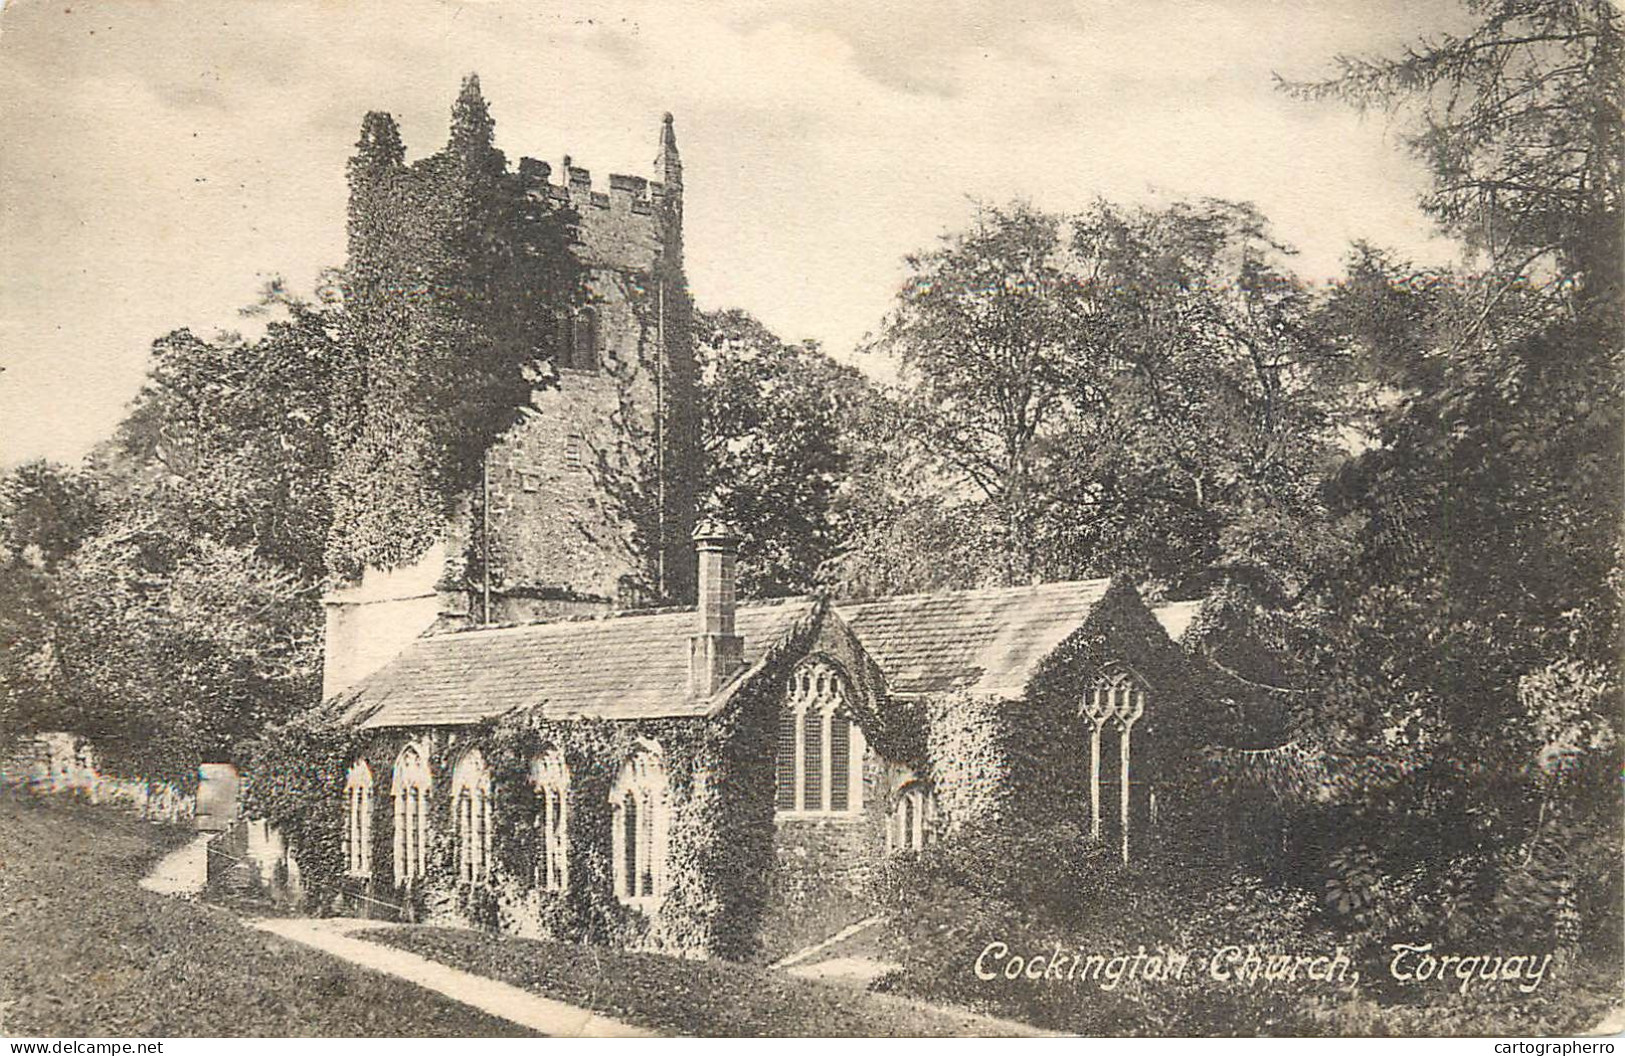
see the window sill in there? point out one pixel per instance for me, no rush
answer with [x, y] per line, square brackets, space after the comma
[831, 817]
[646, 903]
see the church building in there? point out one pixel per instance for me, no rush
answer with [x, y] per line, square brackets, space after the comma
[608, 745]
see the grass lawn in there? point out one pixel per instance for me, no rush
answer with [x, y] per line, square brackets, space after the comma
[84, 951]
[682, 997]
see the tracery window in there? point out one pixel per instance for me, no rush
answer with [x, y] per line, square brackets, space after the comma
[358, 819]
[913, 820]
[550, 777]
[819, 768]
[410, 790]
[1115, 701]
[471, 813]
[641, 803]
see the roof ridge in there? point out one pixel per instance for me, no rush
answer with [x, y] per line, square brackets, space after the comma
[966, 592]
[608, 617]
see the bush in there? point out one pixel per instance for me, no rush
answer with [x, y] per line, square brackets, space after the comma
[981, 900]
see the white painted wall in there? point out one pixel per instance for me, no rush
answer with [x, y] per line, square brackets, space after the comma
[370, 623]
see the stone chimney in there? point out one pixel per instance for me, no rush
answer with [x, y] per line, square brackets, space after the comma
[715, 652]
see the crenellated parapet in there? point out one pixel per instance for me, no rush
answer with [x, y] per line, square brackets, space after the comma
[585, 502]
[626, 194]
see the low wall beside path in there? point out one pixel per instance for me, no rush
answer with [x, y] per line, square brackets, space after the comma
[66, 764]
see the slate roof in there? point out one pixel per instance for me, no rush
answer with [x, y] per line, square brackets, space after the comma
[986, 642]
[635, 666]
[624, 667]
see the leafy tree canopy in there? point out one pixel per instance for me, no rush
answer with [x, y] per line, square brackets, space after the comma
[775, 443]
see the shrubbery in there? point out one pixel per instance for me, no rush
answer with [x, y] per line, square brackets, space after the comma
[1049, 893]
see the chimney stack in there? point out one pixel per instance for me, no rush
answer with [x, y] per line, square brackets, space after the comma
[715, 652]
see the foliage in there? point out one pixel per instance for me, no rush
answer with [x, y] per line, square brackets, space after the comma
[171, 586]
[230, 438]
[986, 332]
[903, 527]
[1137, 390]
[46, 513]
[456, 272]
[172, 666]
[776, 447]
[1478, 627]
[951, 902]
[1020, 887]
[1519, 121]
[294, 773]
[1208, 408]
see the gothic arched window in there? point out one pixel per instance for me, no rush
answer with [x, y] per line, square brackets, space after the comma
[819, 766]
[550, 777]
[410, 790]
[358, 819]
[1115, 701]
[471, 813]
[913, 820]
[642, 806]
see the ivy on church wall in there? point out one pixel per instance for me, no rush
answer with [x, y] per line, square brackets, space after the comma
[1025, 760]
[1050, 757]
[736, 878]
[293, 778]
[455, 270]
[720, 835]
[967, 755]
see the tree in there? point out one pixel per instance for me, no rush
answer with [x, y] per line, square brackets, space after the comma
[189, 614]
[1144, 391]
[46, 513]
[233, 437]
[902, 529]
[1519, 121]
[987, 331]
[1479, 628]
[1209, 410]
[776, 445]
[1507, 413]
[1492, 487]
[177, 650]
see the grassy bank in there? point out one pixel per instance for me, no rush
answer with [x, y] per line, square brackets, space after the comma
[84, 951]
[683, 997]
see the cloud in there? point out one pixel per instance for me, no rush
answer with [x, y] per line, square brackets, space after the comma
[156, 167]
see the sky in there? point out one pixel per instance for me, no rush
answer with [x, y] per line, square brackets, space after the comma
[159, 161]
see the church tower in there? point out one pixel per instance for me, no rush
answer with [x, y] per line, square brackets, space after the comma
[587, 503]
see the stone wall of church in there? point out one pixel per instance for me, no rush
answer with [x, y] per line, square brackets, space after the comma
[566, 498]
[821, 868]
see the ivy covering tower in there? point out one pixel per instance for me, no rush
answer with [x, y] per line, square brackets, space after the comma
[517, 432]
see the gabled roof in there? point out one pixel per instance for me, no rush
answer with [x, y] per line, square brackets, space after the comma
[619, 667]
[635, 666]
[986, 642]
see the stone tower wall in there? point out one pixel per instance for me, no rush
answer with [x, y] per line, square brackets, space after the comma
[575, 516]
[588, 502]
